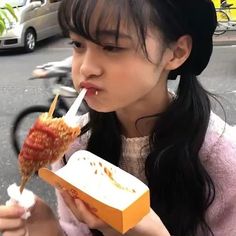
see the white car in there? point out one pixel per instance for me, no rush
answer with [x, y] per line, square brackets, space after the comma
[37, 20]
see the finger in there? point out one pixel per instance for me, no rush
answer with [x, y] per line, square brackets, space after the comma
[67, 199]
[10, 224]
[18, 232]
[70, 203]
[82, 212]
[11, 211]
[87, 216]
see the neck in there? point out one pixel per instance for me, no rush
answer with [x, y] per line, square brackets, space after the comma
[130, 117]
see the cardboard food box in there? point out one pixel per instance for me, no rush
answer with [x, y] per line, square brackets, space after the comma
[115, 196]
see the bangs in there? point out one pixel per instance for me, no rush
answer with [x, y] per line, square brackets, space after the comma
[89, 18]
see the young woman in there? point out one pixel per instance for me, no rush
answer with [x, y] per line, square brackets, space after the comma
[125, 51]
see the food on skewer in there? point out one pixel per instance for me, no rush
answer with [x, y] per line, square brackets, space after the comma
[48, 140]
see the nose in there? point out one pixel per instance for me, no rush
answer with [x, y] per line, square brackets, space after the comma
[90, 65]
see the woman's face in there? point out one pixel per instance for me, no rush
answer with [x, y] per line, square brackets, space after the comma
[119, 76]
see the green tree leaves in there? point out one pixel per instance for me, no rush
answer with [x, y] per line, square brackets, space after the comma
[4, 16]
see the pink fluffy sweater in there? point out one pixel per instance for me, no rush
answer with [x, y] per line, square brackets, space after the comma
[218, 155]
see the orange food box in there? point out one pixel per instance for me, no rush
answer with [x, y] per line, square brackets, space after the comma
[115, 196]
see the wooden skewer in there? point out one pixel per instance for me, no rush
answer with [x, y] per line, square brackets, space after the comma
[53, 106]
[24, 180]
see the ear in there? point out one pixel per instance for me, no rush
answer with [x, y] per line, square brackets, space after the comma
[180, 52]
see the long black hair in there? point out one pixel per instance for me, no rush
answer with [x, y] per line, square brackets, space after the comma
[181, 189]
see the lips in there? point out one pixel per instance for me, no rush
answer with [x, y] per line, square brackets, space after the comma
[88, 85]
[91, 88]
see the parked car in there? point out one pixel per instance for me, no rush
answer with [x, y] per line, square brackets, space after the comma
[37, 20]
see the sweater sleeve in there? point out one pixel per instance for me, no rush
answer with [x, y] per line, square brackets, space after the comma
[70, 225]
[219, 159]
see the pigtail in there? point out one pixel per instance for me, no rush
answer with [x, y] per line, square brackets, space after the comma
[95, 232]
[105, 140]
[181, 189]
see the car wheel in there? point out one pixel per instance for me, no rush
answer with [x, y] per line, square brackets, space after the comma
[30, 40]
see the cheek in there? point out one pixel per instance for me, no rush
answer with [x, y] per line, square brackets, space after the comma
[75, 73]
[134, 81]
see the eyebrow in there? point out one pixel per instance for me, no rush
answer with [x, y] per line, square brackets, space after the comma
[105, 34]
[113, 33]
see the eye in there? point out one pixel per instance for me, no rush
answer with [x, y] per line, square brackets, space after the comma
[111, 48]
[75, 44]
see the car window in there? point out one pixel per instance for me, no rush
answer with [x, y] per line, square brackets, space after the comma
[52, 1]
[42, 1]
[13, 3]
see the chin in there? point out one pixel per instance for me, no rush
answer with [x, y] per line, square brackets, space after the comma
[99, 108]
[102, 110]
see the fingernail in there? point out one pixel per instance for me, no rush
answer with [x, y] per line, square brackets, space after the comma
[20, 211]
[63, 192]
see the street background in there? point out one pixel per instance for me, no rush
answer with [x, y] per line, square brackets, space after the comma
[16, 93]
